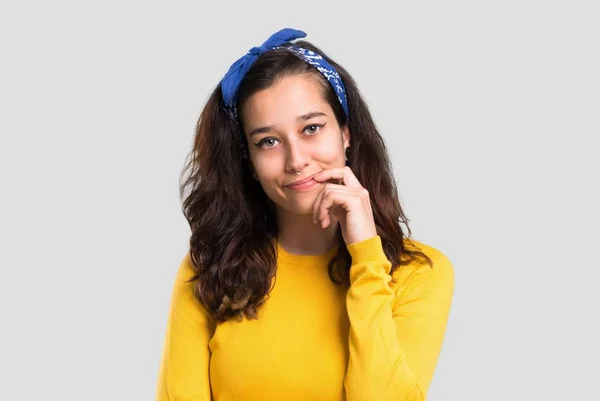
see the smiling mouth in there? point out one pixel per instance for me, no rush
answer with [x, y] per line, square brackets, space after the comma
[302, 182]
[303, 186]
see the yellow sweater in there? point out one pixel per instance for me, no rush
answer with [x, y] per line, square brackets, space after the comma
[314, 340]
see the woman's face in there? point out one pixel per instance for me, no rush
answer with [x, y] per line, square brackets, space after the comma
[291, 128]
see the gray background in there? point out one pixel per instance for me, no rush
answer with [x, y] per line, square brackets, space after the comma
[489, 109]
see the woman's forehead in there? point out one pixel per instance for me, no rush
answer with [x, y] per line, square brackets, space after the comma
[287, 100]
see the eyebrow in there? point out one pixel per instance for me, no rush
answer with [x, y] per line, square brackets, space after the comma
[304, 117]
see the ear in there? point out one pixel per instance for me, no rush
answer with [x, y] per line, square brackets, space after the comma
[346, 136]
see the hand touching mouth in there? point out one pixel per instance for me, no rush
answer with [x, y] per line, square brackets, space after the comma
[303, 184]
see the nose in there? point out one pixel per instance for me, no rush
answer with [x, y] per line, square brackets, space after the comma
[296, 158]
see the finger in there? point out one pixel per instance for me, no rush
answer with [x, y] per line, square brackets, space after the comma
[325, 212]
[329, 175]
[333, 198]
[350, 179]
[316, 205]
[345, 174]
[319, 198]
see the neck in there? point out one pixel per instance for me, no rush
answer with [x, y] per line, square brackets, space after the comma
[299, 235]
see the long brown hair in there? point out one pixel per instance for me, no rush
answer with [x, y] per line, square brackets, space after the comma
[233, 227]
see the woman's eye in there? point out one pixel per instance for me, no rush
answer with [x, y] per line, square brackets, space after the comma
[266, 143]
[313, 128]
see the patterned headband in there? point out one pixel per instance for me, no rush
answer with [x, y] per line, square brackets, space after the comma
[231, 81]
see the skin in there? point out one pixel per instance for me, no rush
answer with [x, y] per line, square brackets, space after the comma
[281, 144]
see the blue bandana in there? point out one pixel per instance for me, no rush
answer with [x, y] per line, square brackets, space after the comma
[232, 80]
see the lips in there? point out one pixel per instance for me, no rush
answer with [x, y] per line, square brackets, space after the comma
[300, 182]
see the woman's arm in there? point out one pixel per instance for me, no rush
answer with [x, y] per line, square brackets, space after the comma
[395, 340]
[183, 374]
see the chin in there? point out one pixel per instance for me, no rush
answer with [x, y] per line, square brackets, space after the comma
[300, 207]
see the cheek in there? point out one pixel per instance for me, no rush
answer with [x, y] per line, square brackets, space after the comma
[266, 167]
[329, 152]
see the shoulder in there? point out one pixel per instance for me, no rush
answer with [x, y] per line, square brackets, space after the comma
[185, 300]
[185, 271]
[420, 275]
[184, 285]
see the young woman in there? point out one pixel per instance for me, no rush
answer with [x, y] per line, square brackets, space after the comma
[299, 283]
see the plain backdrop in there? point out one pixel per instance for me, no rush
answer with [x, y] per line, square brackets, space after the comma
[490, 110]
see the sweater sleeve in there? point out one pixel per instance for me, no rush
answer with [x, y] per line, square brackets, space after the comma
[395, 335]
[184, 366]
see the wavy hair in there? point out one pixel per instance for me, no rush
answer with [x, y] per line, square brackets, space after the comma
[233, 225]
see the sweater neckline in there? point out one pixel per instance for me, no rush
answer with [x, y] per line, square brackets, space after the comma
[301, 259]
